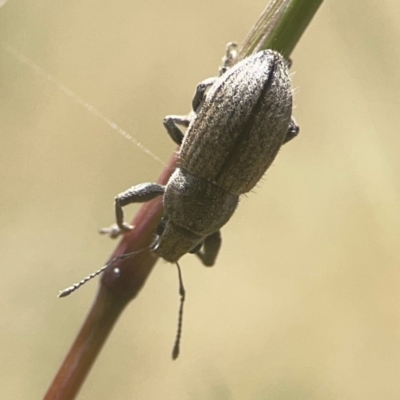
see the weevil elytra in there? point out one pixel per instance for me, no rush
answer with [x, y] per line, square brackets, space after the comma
[240, 120]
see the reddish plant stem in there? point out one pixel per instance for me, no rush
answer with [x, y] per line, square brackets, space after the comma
[116, 290]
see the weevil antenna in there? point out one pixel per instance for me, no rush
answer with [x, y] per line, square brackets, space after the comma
[182, 293]
[66, 292]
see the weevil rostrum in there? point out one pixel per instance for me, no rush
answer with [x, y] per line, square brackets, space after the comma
[239, 122]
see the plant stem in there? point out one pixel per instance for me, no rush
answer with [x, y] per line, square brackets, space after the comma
[280, 26]
[115, 292]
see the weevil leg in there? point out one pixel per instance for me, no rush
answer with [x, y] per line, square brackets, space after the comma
[200, 91]
[171, 123]
[292, 132]
[136, 194]
[229, 58]
[209, 251]
[228, 61]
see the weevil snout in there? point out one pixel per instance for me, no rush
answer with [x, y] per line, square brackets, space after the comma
[174, 241]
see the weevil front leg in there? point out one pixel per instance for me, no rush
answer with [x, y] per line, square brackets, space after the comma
[209, 251]
[136, 194]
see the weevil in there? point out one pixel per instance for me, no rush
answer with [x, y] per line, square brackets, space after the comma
[239, 122]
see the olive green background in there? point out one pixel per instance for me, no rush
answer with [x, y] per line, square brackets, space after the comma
[304, 302]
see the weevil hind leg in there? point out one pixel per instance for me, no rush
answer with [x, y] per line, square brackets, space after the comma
[199, 94]
[209, 251]
[136, 194]
[171, 122]
[229, 58]
[292, 132]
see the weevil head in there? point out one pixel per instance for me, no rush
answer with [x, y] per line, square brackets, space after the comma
[173, 241]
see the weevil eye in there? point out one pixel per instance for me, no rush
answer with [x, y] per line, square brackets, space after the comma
[161, 227]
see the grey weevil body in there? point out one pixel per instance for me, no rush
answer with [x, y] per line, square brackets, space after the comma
[240, 121]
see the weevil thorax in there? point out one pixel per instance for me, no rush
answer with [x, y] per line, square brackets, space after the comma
[193, 210]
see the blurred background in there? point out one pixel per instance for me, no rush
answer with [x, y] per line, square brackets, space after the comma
[304, 302]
